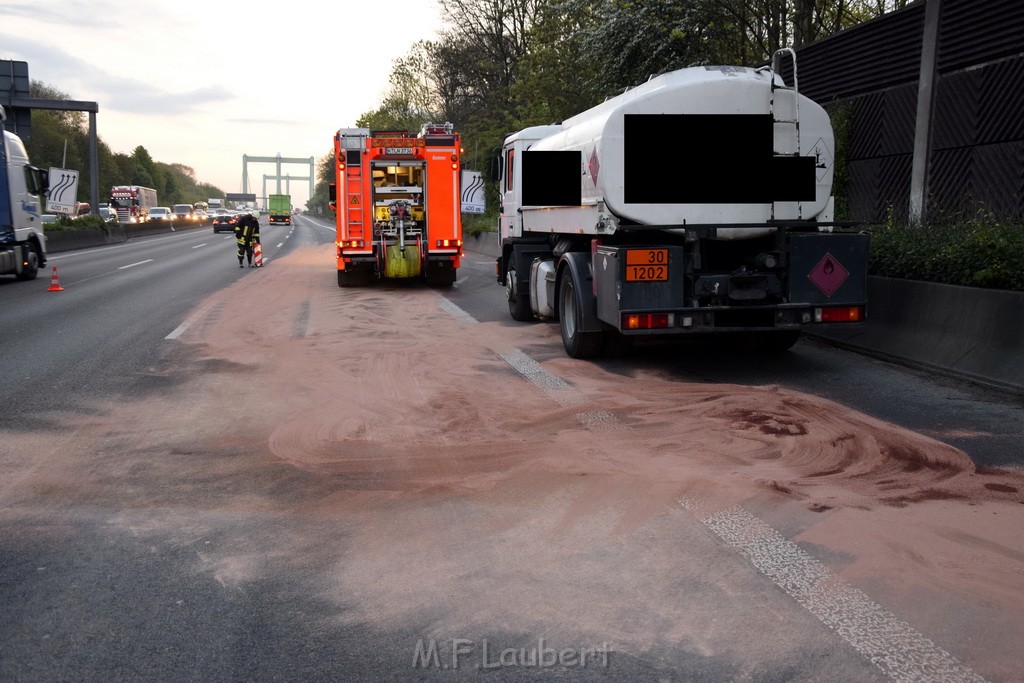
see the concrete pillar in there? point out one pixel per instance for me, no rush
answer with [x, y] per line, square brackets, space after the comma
[94, 165]
[925, 99]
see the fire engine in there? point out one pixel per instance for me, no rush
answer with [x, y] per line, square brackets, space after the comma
[396, 196]
[132, 202]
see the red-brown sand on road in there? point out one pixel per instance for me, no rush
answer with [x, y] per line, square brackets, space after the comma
[471, 498]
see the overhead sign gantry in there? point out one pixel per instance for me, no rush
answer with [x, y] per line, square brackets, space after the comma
[278, 161]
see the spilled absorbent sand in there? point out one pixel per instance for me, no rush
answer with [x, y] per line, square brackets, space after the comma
[470, 499]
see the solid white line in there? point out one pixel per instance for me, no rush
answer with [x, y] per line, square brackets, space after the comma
[893, 646]
[179, 330]
[199, 245]
[189, 321]
[560, 391]
[132, 265]
[455, 311]
[557, 389]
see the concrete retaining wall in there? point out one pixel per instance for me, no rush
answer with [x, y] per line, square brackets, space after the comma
[966, 332]
[68, 240]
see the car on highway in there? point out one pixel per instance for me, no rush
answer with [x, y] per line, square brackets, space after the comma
[160, 214]
[185, 212]
[108, 215]
[224, 221]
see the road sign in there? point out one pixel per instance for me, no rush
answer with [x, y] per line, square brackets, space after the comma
[14, 84]
[473, 192]
[63, 193]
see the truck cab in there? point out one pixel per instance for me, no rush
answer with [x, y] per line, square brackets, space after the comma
[22, 241]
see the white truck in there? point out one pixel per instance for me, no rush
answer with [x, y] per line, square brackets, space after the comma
[22, 242]
[696, 203]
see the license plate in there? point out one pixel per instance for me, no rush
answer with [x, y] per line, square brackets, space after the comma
[646, 265]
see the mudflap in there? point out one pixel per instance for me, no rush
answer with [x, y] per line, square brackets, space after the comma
[828, 268]
[659, 287]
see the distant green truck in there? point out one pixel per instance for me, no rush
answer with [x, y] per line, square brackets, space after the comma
[280, 208]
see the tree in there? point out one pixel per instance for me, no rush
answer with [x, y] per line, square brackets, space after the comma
[410, 100]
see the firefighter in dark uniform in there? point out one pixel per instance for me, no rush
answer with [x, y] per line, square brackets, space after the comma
[247, 234]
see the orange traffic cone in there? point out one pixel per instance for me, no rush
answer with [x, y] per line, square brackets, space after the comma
[258, 254]
[55, 282]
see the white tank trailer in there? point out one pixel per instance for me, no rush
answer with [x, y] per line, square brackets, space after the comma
[697, 203]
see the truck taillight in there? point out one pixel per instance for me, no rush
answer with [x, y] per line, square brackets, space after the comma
[352, 244]
[449, 243]
[648, 321]
[839, 314]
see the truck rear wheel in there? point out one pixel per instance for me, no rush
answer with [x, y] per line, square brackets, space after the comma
[353, 277]
[578, 344]
[30, 271]
[440, 275]
[518, 302]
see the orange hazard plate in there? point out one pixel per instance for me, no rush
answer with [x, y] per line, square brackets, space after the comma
[646, 265]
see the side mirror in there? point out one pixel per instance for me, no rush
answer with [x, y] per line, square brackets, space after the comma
[37, 181]
[496, 166]
[332, 193]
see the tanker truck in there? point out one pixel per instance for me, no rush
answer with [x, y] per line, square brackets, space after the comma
[698, 203]
[22, 241]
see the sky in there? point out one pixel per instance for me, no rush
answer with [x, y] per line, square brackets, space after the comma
[202, 82]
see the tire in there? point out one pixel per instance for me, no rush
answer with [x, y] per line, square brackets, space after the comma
[30, 271]
[518, 302]
[578, 344]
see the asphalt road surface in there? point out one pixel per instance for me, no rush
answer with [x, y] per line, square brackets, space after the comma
[216, 473]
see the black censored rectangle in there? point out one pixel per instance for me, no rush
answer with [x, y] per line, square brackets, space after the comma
[552, 178]
[710, 159]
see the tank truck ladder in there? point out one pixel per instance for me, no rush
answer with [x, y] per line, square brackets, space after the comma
[785, 111]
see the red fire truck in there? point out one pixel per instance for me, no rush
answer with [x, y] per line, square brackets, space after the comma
[398, 207]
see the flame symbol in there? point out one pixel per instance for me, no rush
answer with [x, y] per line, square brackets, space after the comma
[829, 267]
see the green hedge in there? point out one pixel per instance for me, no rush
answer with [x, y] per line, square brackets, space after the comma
[477, 224]
[80, 223]
[976, 251]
